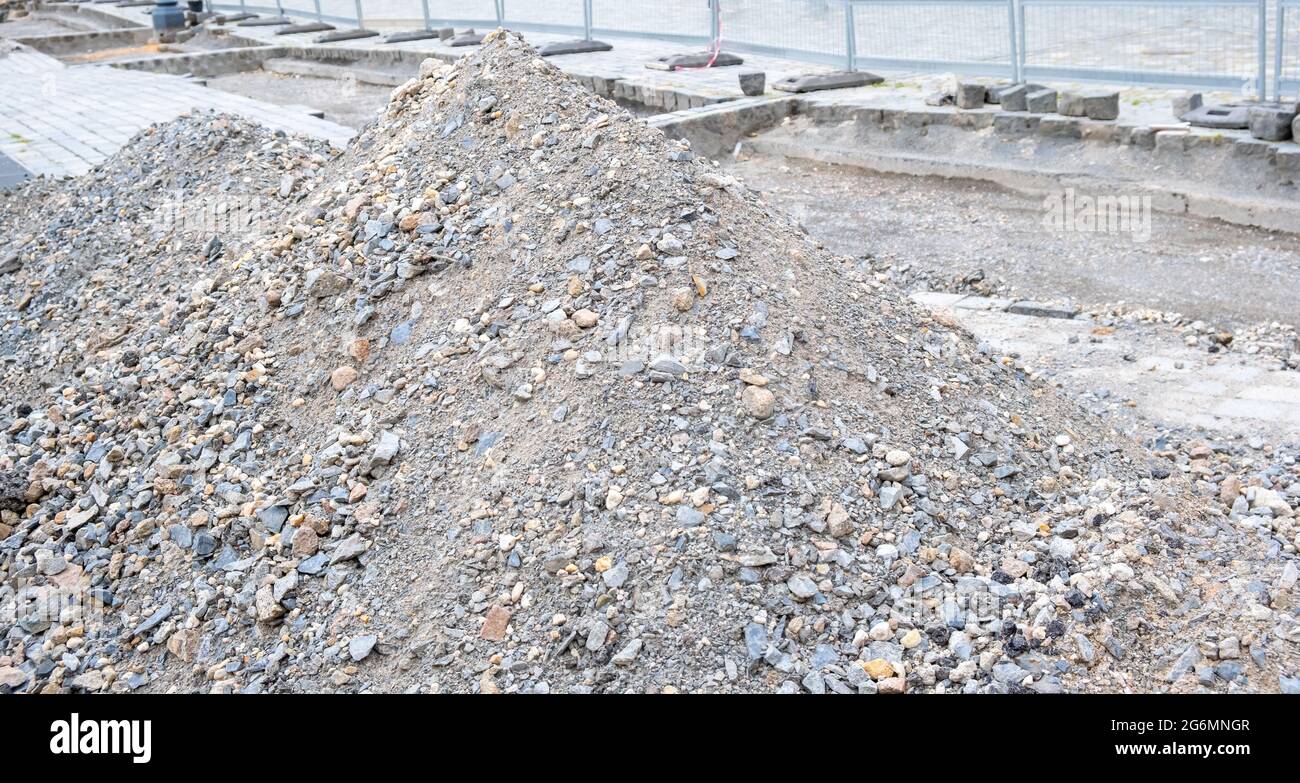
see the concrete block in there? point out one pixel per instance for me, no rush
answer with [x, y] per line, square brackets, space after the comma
[1171, 141]
[1038, 310]
[1093, 104]
[1059, 127]
[993, 92]
[1271, 122]
[1015, 98]
[970, 95]
[1288, 162]
[1250, 148]
[1185, 102]
[1041, 102]
[940, 99]
[1143, 138]
[754, 83]
[1010, 123]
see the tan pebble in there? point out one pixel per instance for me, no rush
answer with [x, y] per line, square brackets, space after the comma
[342, 378]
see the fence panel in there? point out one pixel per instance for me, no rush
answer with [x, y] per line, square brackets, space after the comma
[336, 12]
[809, 30]
[686, 21]
[553, 16]
[971, 36]
[409, 14]
[1199, 43]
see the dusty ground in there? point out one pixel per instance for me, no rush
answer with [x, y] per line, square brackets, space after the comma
[34, 25]
[949, 228]
[345, 102]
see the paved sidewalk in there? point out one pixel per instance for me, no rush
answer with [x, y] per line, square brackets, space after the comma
[1143, 368]
[59, 120]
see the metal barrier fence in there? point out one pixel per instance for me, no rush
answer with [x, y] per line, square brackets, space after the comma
[1199, 43]
[1216, 44]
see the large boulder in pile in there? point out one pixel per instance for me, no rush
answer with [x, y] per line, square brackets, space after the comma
[524, 397]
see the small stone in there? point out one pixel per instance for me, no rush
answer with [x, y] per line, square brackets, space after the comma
[359, 647]
[758, 402]
[802, 586]
[891, 686]
[342, 378]
[878, 668]
[494, 624]
[838, 523]
[305, 542]
[683, 299]
[585, 319]
[627, 655]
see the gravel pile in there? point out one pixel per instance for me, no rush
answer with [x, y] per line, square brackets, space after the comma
[523, 397]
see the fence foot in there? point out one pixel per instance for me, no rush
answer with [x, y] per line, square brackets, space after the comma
[467, 38]
[307, 27]
[835, 80]
[344, 35]
[411, 35]
[231, 18]
[573, 47]
[673, 62]
[266, 21]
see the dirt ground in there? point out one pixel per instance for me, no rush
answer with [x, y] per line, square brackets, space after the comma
[22, 27]
[345, 102]
[950, 228]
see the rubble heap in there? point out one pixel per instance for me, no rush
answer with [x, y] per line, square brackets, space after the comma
[525, 397]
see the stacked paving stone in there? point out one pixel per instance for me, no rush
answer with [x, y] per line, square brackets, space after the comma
[517, 395]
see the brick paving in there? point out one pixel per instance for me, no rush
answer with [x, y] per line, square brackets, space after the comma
[62, 120]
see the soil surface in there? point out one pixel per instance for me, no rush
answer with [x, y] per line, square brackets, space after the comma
[951, 228]
[346, 102]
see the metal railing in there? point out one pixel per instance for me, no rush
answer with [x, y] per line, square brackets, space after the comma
[1209, 44]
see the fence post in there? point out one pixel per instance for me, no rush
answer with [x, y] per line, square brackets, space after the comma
[1011, 33]
[318, 17]
[850, 37]
[714, 22]
[501, 13]
[1021, 49]
[424, 7]
[1261, 85]
[586, 20]
[1279, 42]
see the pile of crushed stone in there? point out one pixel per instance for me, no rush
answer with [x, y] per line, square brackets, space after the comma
[523, 397]
[119, 249]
